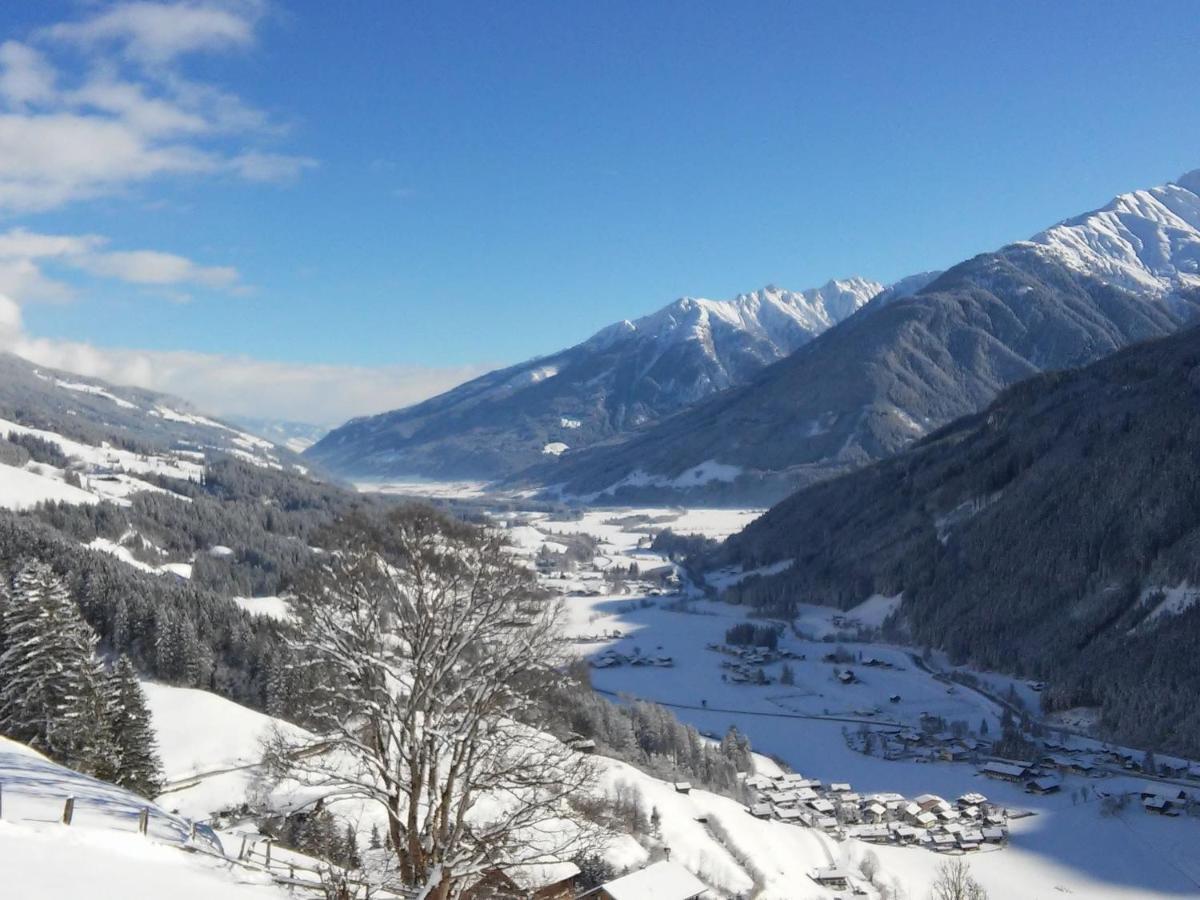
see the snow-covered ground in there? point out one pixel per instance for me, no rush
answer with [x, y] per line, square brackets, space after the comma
[101, 855]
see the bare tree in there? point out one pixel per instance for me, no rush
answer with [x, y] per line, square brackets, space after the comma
[422, 643]
[955, 882]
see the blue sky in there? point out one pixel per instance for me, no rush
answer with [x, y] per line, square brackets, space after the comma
[406, 192]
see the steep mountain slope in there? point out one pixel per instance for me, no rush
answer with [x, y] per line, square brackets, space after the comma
[623, 377]
[1054, 535]
[902, 367]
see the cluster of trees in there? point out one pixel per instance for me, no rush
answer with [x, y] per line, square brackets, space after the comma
[748, 634]
[175, 631]
[270, 517]
[648, 736]
[318, 833]
[56, 694]
[18, 449]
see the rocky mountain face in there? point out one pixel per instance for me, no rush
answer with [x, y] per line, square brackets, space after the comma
[904, 366]
[626, 376]
[1055, 535]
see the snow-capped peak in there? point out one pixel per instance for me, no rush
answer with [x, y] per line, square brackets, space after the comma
[1145, 240]
[773, 314]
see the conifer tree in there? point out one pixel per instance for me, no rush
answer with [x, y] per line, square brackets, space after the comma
[52, 686]
[139, 768]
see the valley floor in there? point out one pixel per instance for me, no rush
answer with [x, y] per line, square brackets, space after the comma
[1065, 846]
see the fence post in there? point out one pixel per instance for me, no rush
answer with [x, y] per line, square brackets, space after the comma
[68, 810]
[268, 853]
[192, 832]
[242, 851]
[144, 820]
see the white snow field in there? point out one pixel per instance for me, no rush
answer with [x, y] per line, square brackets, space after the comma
[101, 855]
[21, 488]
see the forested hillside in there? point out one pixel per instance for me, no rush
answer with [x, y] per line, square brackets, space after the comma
[1053, 535]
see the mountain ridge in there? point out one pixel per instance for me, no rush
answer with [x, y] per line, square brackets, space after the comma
[622, 378]
[902, 367]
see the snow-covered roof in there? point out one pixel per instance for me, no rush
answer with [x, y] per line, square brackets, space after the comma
[535, 876]
[661, 881]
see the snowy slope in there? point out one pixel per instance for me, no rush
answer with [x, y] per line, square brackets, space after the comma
[1147, 240]
[100, 855]
[131, 429]
[21, 489]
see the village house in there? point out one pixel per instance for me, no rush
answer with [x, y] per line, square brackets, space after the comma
[1005, 771]
[539, 881]
[831, 877]
[660, 881]
[1046, 785]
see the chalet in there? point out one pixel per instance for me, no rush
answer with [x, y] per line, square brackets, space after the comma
[1043, 786]
[831, 877]
[971, 835]
[789, 814]
[661, 881]
[839, 788]
[878, 833]
[943, 842]
[971, 799]
[1004, 771]
[682, 787]
[1159, 805]
[760, 810]
[540, 881]
[847, 677]
[929, 801]
[925, 819]
[874, 812]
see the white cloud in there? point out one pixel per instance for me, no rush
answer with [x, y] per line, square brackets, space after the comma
[154, 267]
[25, 76]
[25, 254]
[75, 125]
[243, 386]
[49, 160]
[159, 32]
[272, 167]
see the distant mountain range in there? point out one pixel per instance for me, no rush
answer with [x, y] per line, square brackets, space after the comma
[902, 367]
[627, 376]
[1054, 535]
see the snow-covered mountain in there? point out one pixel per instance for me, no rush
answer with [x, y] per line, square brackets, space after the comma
[626, 376]
[80, 441]
[907, 365]
[1146, 241]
